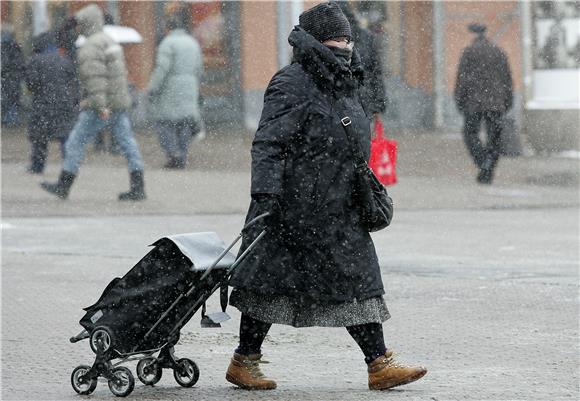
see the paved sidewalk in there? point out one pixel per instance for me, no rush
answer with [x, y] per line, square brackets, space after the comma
[434, 173]
[481, 281]
[486, 300]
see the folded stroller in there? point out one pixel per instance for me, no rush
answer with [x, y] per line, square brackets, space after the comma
[142, 313]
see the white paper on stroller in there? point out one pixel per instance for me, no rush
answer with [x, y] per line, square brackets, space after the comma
[202, 249]
[98, 314]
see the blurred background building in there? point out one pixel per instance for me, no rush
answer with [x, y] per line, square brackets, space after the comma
[244, 44]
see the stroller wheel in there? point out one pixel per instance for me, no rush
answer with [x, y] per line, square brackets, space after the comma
[80, 383]
[186, 373]
[101, 340]
[122, 382]
[148, 371]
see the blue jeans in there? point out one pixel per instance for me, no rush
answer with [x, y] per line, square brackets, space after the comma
[86, 128]
[175, 136]
[10, 113]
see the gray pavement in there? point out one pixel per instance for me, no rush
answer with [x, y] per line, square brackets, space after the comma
[482, 282]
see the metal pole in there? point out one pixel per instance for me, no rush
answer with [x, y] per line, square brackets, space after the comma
[526, 32]
[281, 32]
[438, 64]
[39, 17]
[113, 9]
[296, 10]
[287, 13]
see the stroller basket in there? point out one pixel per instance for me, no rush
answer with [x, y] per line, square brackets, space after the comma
[176, 272]
[144, 311]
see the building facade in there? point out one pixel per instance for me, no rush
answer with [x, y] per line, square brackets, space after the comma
[245, 43]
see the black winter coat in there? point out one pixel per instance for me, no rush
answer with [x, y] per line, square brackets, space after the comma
[319, 252]
[52, 81]
[484, 81]
[12, 70]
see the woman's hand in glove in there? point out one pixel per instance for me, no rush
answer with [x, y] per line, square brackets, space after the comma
[267, 203]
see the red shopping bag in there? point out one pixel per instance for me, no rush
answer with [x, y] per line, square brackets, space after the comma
[383, 156]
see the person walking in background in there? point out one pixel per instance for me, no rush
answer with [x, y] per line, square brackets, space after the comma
[174, 91]
[12, 75]
[66, 36]
[372, 92]
[105, 100]
[317, 264]
[51, 80]
[483, 91]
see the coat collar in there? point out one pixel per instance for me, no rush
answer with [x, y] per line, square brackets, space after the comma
[321, 63]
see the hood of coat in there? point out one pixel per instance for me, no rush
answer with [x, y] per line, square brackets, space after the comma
[325, 65]
[90, 20]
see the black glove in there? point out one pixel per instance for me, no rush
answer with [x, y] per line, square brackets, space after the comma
[267, 203]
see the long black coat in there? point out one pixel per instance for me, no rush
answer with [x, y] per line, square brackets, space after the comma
[484, 81]
[320, 251]
[51, 79]
[12, 70]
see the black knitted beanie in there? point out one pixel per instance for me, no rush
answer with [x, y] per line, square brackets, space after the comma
[325, 21]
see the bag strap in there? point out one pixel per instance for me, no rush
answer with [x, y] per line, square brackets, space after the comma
[224, 296]
[379, 129]
[223, 299]
[346, 122]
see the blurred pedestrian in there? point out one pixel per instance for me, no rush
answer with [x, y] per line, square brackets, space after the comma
[317, 264]
[105, 100]
[100, 141]
[555, 50]
[66, 36]
[51, 80]
[174, 91]
[12, 76]
[483, 91]
[372, 92]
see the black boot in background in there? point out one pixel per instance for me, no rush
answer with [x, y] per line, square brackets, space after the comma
[485, 175]
[62, 187]
[137, 191]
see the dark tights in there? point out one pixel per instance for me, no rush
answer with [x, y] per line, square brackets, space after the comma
[369, 337]
[252, 335]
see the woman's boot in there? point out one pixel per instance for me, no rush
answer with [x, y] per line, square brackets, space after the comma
[137, 190]
[62, 187]
[244, 371]
[385, 372]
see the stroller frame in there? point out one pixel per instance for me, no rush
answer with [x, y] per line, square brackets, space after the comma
[149, 368]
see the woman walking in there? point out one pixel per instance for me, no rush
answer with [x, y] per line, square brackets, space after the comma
[317, 264]
[174, 92]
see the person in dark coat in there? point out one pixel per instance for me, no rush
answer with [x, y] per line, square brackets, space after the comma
[483, 91]
[51, 80]
[316, 265]
[66, 36]
[372, 92]
[12, 76]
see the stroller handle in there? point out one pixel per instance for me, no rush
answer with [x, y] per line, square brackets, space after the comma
[239, 237]
[255, 219]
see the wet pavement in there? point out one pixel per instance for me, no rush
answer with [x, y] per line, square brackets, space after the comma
[481, 282]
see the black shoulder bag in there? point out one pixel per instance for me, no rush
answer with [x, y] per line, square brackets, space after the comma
[374, 203]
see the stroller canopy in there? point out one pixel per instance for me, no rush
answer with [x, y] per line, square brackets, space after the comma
[202, 249]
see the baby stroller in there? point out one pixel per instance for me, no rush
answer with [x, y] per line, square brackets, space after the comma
[142, 313]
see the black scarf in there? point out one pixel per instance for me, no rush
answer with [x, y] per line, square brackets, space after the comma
[330, 68]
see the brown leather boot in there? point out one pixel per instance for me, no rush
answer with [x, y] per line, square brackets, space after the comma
[385, 373]
[244, 371]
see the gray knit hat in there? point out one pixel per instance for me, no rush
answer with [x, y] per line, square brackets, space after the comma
[325, 21]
